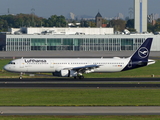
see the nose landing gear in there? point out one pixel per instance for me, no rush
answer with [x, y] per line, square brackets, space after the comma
[20, 77]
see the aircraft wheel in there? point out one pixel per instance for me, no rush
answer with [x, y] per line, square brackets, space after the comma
[81, 77]
[20, 77]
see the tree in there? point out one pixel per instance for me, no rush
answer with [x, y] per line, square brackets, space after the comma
[119, 25]
[130, 23]
[84, 23]
[150, 28]
[157, 27]
[56, 21]
[27, 20]
[104, 21]
[154, 27]
[92, 23]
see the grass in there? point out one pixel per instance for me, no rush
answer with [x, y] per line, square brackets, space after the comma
[79, 97]
[4, 62]
[147, 71]
[83, 97]
[140, 117]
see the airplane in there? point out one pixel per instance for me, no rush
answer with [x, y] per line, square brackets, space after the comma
[76, 67]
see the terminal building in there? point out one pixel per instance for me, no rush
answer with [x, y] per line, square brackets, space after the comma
[72, 39]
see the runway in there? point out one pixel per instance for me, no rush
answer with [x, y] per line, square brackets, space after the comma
[87, 83]
[84, 83]
[128, 110]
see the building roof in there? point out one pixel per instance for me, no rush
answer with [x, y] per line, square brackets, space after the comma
[98, 15]
[60, 31]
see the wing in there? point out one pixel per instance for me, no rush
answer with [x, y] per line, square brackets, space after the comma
[82, 69]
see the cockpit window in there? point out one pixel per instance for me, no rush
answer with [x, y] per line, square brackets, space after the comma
[11, 63]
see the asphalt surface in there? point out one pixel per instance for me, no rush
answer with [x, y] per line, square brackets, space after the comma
[85, 83]
[128, 110]
[71, 54]
[78, 83]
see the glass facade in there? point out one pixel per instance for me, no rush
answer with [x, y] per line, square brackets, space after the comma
[72, 44]
[18, 44]
[38, 44]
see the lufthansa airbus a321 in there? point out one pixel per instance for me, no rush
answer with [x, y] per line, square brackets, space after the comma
[76, 67]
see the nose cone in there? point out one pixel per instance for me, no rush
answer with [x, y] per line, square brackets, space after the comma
[6, 67]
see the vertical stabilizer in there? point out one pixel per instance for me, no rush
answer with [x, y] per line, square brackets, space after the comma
[143, 51]
[140, 57]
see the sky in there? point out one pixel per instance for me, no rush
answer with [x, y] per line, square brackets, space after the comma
[46, 8]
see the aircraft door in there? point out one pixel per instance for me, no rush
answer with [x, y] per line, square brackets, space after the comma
[89, 63]
[21, 64]
[52, 64]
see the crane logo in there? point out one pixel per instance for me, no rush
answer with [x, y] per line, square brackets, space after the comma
[143, 52]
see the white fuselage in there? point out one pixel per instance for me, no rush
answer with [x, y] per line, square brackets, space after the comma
[57, 64]
[75, 67]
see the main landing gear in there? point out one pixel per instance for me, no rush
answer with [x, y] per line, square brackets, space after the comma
[80, 77]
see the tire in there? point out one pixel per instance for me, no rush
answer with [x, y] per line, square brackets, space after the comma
[81, 77]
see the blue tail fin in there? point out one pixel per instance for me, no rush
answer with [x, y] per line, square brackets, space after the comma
[140, 57]
[143, 51]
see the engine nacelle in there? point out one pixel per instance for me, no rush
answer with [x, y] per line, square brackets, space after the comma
[65, 73]
[89, 71]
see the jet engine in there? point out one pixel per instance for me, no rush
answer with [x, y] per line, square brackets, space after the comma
[65, 73]
[89, 71]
